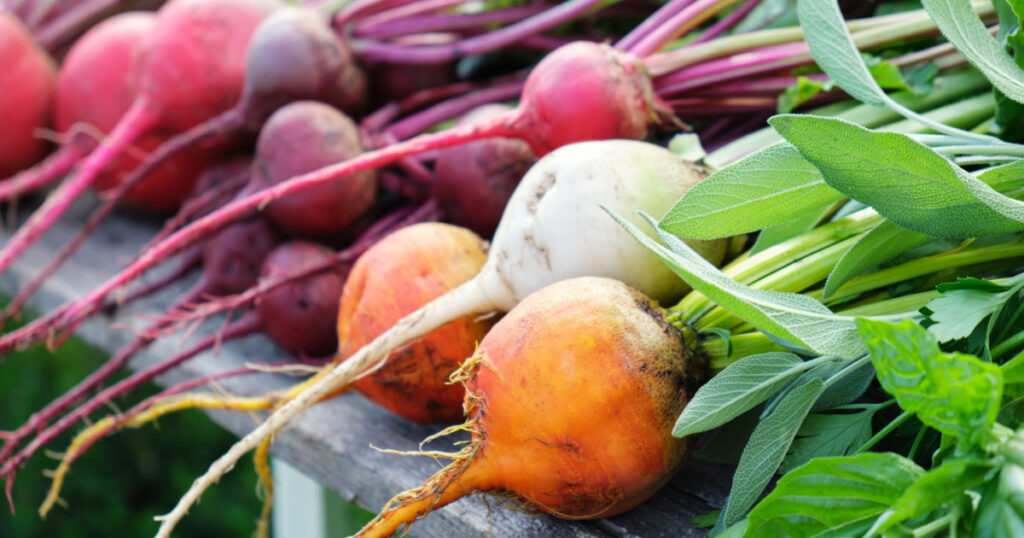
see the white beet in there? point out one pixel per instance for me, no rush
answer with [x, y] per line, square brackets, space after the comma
[553, 228]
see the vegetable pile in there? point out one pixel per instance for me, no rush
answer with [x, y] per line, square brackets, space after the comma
[502, 217]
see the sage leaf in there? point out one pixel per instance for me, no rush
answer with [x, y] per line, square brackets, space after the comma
[808, 220]
[904, 180]
[955, 393]
[962, 27]
[828, 434]
[766, 449]
[798, 318]
[761, 190]
[839, 496]
[741, 386]
[878, 245]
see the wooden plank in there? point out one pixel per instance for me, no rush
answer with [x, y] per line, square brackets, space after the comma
[331, 441]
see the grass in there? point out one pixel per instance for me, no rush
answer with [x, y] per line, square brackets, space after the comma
[124, 480]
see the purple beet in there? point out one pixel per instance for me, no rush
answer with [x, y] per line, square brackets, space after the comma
[475, 180]
[305, 136]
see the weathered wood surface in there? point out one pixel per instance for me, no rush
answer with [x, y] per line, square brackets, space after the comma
[331, 442]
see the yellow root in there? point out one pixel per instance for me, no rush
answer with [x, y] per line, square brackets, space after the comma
[266, 487]
[112, 423]
[174, 403]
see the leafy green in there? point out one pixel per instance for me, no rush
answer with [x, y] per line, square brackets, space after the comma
[963, 305]
[962, 27]
[878, 245]
[766, 188]
[704, 521]
[741, 386]
[828, 434]
[797, 318]
[905, 181]
[800, 92]
[937, 487]
[839, 496]
[778, 233]
[955, 393]
[766, 449]
[1001, 511]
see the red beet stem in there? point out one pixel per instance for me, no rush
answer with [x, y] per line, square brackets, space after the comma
[134, 123]
[658, 18]
[429, 211]
[502, 126]
[509, 35]
[248, 324]
[224, 123]
[680, 23]
[119, 359]
[416, 24]
[46, 172]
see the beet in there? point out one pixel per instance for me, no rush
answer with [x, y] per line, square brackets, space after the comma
[305, 136]
[28, 78]
[403, 272]
[476, 179]
[571, 399]
[299, 316]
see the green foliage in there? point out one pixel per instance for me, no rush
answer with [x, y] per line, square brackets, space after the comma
[839, 496]
[797, 318]
[957, 394]
[958, 22]
[766, 449]
[741, 386]
[828, 434]
[115, 488]
[880, 244]
[766, 188]
[920, 190]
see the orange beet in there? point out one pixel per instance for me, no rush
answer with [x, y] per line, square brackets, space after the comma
[571, 401]
[401, 273]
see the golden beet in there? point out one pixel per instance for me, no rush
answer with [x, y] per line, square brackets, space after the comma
[571, 399]
[404, 271]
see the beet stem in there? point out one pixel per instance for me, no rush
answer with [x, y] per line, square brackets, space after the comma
[660, 17]
[119, 359]
[135, 122]
[725, 23]
[682, 22]
[50, 170]
[248, 324]
[469, 298]
[509, 35]
[442, 22]
[505, 125]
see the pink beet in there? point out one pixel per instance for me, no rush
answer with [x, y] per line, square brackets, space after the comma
[28, 78]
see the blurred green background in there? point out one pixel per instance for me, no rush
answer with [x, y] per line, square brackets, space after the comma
[117, 487]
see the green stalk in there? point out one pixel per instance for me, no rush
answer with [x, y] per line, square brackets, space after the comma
[752, 268]
[946, 88]
[1007, 345]
[867, 33]
[743, 345]
[962, 114]
[885, 431]
[924, 266]
[794, 277]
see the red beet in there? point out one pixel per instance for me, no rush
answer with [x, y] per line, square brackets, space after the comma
[299, 316]
[475, 180]
[96, 85]
[192, 70]
[305, 136]
[28, 77]
[620, 105]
